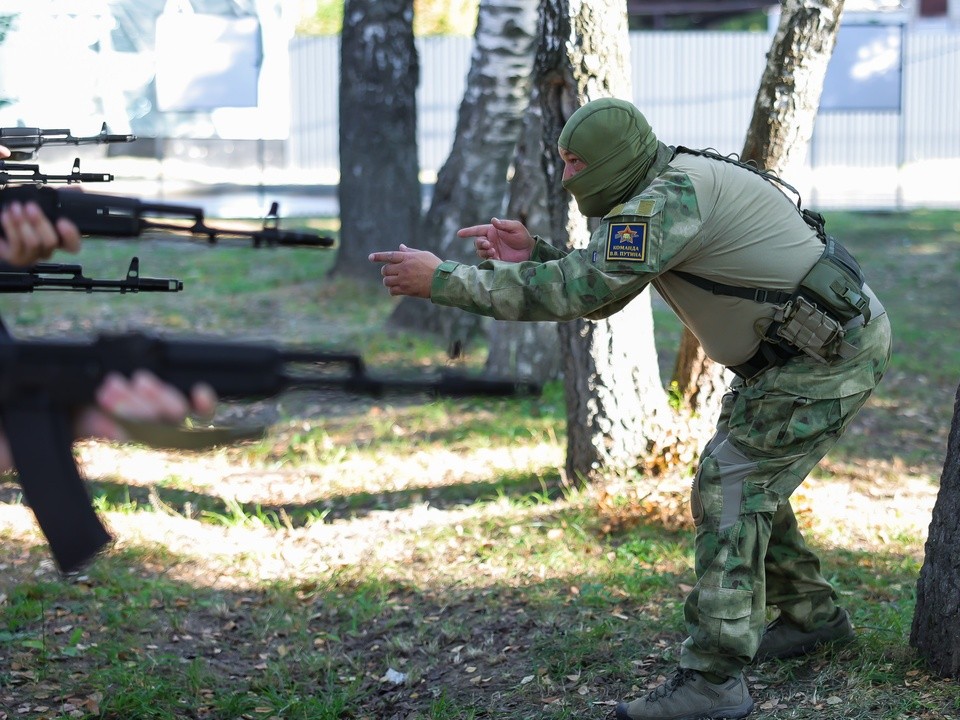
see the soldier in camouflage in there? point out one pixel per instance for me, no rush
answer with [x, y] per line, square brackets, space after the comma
[698, 228]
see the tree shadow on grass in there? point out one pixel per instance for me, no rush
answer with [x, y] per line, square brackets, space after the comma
[516, 486]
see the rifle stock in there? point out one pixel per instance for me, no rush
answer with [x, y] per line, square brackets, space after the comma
[44, 382]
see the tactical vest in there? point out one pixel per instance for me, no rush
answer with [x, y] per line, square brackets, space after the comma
[813, 318]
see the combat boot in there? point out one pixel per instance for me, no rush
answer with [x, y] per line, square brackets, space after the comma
[782, 639]
[688, 695]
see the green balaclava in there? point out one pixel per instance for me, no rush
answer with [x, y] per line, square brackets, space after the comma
[618, 146]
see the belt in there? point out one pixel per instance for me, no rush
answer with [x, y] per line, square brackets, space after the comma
[766, 356]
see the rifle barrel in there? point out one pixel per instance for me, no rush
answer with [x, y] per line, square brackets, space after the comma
[348, 372]
[34, 138]
[46, 276]
[16, 173]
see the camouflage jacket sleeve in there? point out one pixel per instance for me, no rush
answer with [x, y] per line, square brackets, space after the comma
[543, 251]
[633, 244]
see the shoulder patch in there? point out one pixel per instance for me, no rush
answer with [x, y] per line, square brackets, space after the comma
[648, 206]
[627, 241]
[643, 206]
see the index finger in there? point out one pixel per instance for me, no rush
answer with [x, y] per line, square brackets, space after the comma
[474, 230]
[383, 256]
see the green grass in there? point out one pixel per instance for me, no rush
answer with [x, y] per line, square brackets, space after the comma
[287, 577]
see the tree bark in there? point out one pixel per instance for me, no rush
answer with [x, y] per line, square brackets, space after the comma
[936, 619]
[699, 383]
[379, 191]
[778, 136]
[615, 400]
[528, 350]
[785, 110]
[472, 184]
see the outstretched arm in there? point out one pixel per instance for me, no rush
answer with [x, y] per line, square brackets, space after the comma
[410, 272]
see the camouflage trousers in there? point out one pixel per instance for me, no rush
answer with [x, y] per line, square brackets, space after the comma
[772, 432]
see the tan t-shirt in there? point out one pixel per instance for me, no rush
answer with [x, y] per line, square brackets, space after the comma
[750, 234]
[703, 216]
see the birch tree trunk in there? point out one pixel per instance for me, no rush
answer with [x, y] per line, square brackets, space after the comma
[615, 400]
[527, 350]
[472, 184]
[784, 114]
[785, 110]
[379, 191]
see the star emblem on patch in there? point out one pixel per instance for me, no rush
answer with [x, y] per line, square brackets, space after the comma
[627, 234]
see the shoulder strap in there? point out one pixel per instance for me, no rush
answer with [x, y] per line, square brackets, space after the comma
[761, 295]
[813, 219]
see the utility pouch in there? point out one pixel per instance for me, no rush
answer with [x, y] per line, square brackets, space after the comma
[835, 284]
[809, 329]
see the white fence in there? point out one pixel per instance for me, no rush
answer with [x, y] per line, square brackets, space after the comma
[698, 89]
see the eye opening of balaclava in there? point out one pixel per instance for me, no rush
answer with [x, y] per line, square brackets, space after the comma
[617, 145]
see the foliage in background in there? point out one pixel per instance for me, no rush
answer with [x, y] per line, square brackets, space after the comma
[752, 21]
[430, 17]
[459, 17]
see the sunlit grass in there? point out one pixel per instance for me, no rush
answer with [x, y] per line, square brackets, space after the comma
[286, 577]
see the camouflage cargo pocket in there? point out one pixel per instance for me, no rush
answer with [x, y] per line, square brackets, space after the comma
[725, 617]
[779, 425]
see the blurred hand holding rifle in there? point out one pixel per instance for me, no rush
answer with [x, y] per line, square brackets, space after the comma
[45, 382]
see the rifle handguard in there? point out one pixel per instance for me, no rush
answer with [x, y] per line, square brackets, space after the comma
[102, 215]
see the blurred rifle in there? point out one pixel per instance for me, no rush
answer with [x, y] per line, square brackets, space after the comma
[45, 383]
[24, 142]
[98, 214]
[26, 174]
[58, 276]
